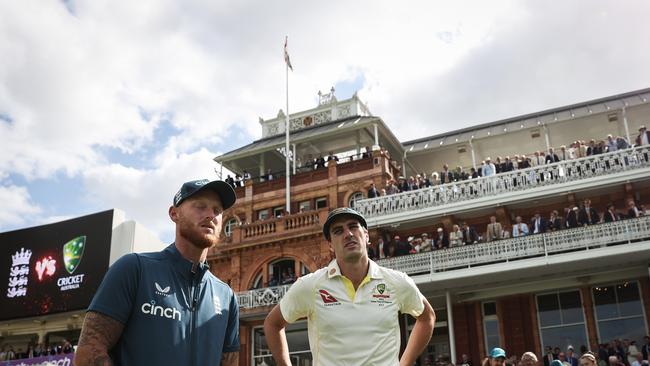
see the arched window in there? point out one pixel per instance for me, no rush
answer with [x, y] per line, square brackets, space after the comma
[354, 198]
[230, 224]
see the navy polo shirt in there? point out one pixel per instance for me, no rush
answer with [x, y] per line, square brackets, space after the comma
[171, 315]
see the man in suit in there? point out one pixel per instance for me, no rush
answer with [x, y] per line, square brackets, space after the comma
[554, 222]
[587, 215]
[494, 229]
[372, 191]
[551, 157]
[446, 175]
[610, 214]
[469, 234]
[538, 224]
[632, 211]
[548, 356]
[441, 239]
[572, 218]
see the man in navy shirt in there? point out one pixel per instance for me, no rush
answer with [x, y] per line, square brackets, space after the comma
[167, 308]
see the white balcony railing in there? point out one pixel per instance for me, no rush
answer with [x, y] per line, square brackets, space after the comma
[261, 297]
[519, 180]
[548, 244]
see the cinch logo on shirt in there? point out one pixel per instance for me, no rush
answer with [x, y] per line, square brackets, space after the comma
[152, 309]
[327, 298]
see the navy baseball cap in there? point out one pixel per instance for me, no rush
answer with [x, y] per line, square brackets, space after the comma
[336, 213]
[224, 190]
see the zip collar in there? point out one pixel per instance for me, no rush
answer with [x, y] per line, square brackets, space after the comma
[186, 268]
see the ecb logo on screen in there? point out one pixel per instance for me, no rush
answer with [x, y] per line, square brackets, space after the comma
[72, 253]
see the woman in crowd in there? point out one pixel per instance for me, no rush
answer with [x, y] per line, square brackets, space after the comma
[456, 237]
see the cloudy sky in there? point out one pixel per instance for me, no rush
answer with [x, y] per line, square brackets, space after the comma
[113, 104]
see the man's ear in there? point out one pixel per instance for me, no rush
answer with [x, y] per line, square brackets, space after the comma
[173, 213]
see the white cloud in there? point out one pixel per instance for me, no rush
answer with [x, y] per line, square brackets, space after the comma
[74, 84]
[18, 207]
[145, 195]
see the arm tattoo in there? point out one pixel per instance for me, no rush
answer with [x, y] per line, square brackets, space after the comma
[230, 358]
[99, 334]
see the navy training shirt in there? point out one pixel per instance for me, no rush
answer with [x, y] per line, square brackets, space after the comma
[171, 315]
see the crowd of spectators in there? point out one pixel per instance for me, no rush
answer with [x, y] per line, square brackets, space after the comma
[465, 234]
[488, 167]
[8, 353]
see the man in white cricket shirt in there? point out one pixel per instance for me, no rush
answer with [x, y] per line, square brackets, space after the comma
[352, 305]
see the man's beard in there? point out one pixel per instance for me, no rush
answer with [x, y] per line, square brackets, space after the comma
[192, 234]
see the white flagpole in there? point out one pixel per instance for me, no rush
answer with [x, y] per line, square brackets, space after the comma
[286, 146]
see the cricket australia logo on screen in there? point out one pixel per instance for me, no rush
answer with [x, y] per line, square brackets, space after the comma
[73, 251]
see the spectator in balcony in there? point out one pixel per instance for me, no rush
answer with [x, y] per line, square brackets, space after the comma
[519, 228]
[551, 157]
[632, 210]
[570, 356]
[497, 165]
[610, 214]
[332, 157]
[441, 239]
[563, 154]
[473, 173]
[611, 143]
[269, 175]
[401, 248]
[309, 163]
[508, 165]
[469, 234]
[412, 183]
[403, 184]
[372, 191]
[391, 187]
[320, 162]
[446, 175]
[538, 158]
[366, 154]
[455, 236]
[488, 168]
[571, 218]
[416, 246]
[425, 182]
[247, 176]
[538, 225]
[461, 174]
[494, 230]
[587, 215]
[528, 359]
[435, 179]
[238, 182]
[554, 221]
[427, 244]
[622, 143]
[644, 136]
[381, 249]
[230, 181]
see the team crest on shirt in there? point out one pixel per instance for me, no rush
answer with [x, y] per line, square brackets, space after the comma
[380, 295]
[328, 299]
[217, 305]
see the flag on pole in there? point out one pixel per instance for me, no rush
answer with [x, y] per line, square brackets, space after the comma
[286, 54]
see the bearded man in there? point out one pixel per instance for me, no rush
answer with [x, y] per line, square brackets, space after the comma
[167, 308]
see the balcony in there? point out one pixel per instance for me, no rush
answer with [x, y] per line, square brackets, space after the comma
[570, 175]
[597, 240]
[275, 228]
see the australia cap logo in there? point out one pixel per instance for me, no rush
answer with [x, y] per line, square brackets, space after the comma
[72, 253]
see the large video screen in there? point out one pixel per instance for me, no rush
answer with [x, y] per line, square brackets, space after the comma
[53, 268]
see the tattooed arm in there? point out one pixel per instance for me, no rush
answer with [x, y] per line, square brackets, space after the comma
[230, 358]
[98, 335]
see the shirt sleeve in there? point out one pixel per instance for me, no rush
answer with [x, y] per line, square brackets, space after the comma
[410, 296]
[231, 341]
[117, 291]
[297, 302]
